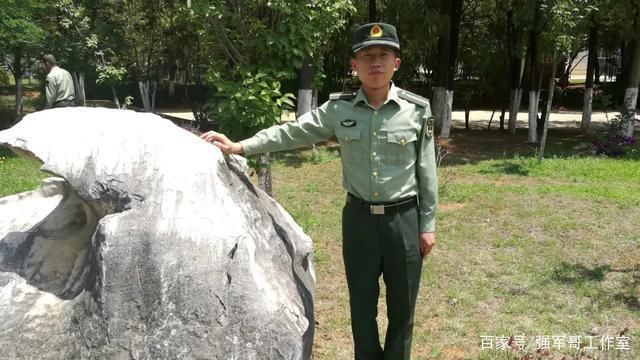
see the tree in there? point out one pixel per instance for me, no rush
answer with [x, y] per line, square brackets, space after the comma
[22, 38]
[516, 48]
[253, 46]
[447, 63]
[565, 15]
[137, 35]
[534, 71]
[591, 65]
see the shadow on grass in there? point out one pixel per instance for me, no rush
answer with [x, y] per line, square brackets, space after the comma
[508, 168]
[473, 146]
[289, 158]
[567, 273]
[578, 274]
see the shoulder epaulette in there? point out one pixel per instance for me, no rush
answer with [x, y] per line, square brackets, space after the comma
[413, 98]
[342, 95]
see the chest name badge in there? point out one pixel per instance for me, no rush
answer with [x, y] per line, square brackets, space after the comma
[348, 123]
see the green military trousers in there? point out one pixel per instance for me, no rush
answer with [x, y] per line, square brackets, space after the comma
[388, 245]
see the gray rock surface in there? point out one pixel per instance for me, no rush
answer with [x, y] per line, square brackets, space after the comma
[147, 244]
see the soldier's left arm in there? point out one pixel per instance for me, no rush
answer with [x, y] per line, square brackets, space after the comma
[426, 173]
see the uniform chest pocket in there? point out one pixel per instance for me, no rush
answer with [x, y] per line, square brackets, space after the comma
[401, 147]
[351, 149]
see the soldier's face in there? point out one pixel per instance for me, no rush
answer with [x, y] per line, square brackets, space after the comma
[375, 66]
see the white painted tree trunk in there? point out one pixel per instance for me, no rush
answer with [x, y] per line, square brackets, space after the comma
[445, 131]
[533, 116]
[144, 95]
[552, 86]
[439, 94]
[630, 104]
[587, 109]
[148, 94]
[439, 106]
[78, 82]
[115, 96]
[514, 106]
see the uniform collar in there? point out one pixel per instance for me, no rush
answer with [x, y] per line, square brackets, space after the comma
[391, 96]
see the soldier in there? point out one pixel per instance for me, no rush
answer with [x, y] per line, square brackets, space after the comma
[59, 89]
[389, 173]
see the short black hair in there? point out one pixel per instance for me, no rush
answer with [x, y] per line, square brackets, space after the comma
[49, 59]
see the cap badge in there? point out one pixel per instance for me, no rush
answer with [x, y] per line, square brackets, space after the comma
[376, 31]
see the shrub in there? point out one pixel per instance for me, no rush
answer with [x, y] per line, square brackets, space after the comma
[614, 140]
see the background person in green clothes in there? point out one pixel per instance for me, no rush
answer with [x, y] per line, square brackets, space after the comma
[389, 173]
[59, 84]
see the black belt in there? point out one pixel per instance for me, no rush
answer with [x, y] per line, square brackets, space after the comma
[63, 103]
[382, 208]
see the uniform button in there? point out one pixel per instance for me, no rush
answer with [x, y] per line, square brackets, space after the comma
[375, 173]
[346, 138]
[375, 133]
[401, 141]
[374, 153]
[375, 112]
[375, 194]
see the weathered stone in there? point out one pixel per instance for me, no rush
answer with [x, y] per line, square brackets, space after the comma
[149, 244]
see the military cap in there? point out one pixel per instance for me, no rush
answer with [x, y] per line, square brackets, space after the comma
[375, 34]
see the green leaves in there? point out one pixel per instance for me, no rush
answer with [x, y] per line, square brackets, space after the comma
[250, 104]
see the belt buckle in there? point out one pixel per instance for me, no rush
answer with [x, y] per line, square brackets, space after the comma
[377, 209]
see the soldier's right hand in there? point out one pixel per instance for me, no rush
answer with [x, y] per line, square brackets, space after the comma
[222, 142]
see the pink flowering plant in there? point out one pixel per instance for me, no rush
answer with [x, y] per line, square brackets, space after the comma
[614, 141]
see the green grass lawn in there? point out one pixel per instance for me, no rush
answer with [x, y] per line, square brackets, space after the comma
[529, 249]
[18, 174]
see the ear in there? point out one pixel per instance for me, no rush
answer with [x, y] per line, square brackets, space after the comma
[396, 64]
[353, 64]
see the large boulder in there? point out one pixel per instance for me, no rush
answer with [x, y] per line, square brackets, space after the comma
[147, 243]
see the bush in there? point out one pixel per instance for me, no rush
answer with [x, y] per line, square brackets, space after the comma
[614, 141]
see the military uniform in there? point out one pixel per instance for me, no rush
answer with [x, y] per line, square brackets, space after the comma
[59, 89]
[389, 173]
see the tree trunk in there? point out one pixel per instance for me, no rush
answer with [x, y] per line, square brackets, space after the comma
[454, 35]
[597, 69]
[154, 88]
[552, 86]
[16, 70]
[314, 105]
[148, 94]
[516, 70]
[534, 69]
[18, 79]
[305, 86]
[439, 106]
[305, 91]
[588, 88]
[115, 96]
[264, 173]
[373, 17]
[440, 89]
[143, 87]
[173, 69]
[78, 82]
[633, 82]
